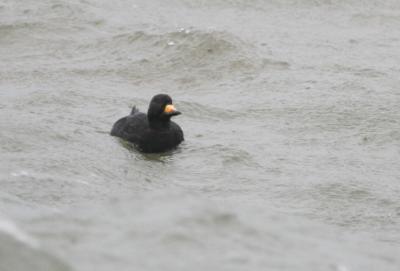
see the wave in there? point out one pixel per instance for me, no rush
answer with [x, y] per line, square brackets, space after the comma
[9, 228]
[265, 4]
[187, 55]
[19, 251]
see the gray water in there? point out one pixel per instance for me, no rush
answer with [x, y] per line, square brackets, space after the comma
[291, 118]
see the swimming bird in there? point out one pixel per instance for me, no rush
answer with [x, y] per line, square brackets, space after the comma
[154, 132]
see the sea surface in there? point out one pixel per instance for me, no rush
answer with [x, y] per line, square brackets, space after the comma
[291, 115]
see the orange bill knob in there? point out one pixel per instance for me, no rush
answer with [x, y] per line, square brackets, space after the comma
[170, 109]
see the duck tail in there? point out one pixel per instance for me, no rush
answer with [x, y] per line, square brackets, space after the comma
[134, 110]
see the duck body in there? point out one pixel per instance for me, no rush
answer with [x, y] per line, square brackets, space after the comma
[152, 132]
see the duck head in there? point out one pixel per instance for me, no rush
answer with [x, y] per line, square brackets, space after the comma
[161, 108]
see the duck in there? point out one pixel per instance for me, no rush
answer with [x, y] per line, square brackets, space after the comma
[153, 132]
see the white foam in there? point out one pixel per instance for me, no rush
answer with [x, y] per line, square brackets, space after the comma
[81, 181]
[20, 173]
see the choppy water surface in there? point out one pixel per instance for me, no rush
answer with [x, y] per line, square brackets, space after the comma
[292, 124]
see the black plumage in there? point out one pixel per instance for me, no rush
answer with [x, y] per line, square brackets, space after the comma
[154, 132]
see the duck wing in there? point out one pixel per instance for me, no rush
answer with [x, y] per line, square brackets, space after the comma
[131, 128]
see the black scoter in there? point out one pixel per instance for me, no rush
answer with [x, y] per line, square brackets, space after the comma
[154, 132]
